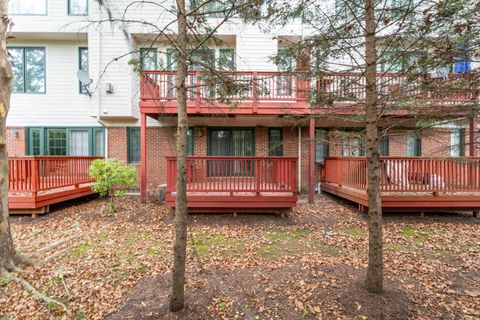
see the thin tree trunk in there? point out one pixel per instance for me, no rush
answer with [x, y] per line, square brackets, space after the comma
[180, 247]
[374, 279]
[7, 251]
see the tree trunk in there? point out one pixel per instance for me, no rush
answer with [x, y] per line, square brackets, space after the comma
[374, 279]
[7, 251]
[180, 247]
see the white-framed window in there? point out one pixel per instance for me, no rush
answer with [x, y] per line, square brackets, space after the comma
[353, 147]
[28, 69]
[27, 7]
[457, 142]
[77, 7]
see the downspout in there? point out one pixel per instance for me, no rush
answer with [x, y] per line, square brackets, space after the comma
[299, 159]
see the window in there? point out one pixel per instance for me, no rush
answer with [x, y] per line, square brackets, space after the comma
[353, 147]
[190, 142]
[457, 142]
[134, 145]
[148, 58]
[231, 141]
[414, 145]
[27, 7]
[82, 65]
[56, 142]
[66, 141]
[226, 60]
[77, 7]
[28, 68]
[284, 81]
[383, 146]
[275, 142]
[321, 145]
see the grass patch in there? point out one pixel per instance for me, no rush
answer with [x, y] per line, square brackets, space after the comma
[354, 232]
[284, 235]
[396, 247]
[211, 244]
[81, 249]
[408, 232]
[293, 246]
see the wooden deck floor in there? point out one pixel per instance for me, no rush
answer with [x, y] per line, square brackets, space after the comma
[410, 201]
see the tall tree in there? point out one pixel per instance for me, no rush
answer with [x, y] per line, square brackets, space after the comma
[177, 299]
[9, 258]
[374, 279]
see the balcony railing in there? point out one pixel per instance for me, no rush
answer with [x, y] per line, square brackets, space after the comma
[257, 176]
[34, 175]
[297, 88]
[407, 174]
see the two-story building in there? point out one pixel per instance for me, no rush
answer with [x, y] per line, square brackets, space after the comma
[278, 140]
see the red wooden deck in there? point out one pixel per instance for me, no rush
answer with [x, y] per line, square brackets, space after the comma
[277, 93]
[36, 182]
[236, 184]
[408, 183]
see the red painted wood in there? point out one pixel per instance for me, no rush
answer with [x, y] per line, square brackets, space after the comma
[236, 182]
[143, 158]
[311, 161]
[38, 181]
[280, 92]
[408, 182]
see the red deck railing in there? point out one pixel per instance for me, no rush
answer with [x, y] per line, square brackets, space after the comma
[407, 174]
[295, 87]
[236, 174]
[32, 175]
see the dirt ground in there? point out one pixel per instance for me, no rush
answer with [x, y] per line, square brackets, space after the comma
[309, 265]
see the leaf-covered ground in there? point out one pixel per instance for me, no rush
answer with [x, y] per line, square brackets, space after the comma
[309, 265]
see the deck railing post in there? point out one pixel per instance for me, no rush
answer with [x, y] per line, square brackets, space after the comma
[255, 92]
[35, 177]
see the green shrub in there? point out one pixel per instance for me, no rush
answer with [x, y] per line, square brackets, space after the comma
[112, 179]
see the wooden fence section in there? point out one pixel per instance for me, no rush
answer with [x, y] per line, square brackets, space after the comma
[236, 183]
[427, 182]
[35, 182]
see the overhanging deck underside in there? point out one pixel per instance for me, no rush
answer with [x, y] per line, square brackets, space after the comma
[410, 201]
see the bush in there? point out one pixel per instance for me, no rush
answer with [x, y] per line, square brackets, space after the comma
[112, 178]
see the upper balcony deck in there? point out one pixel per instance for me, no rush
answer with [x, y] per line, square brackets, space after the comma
[282, 93]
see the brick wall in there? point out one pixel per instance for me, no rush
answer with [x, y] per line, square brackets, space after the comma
[16, 141]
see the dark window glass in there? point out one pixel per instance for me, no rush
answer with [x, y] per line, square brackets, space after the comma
[148, 58]
[383, 146]
[321, 145]
[57, 142]
[134, 145]
[275, 142]
[190, 142]
[414, 145]
[226, 59]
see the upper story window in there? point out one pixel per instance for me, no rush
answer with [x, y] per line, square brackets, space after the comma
[28, 68]
[27, 7]
[82, 65]
[457, 142]
[77, 7]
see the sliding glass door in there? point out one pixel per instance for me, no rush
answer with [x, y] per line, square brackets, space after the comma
[231, 142]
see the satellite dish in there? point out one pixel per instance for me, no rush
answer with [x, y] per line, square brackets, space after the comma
[85, 80]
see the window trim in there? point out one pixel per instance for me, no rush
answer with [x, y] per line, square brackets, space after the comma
[32, 14]
[80, 85]
[25, 68]
[44, 139]
[77, 15]
[270, 148]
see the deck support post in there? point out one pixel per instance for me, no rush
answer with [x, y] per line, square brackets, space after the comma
[311, 161]
[143, 158]
[471, 143]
